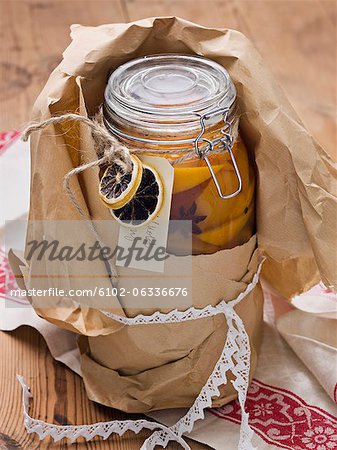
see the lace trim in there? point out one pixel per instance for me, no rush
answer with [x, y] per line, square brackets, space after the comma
[235, 357]
[73, 432]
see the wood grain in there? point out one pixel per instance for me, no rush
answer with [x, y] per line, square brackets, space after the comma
[32, 38]
[296, 38]
[298, 41]
[58, 397]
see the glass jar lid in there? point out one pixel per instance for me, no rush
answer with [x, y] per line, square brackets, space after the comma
[167, 92]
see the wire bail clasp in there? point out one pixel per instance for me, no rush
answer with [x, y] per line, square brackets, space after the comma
[227, 141]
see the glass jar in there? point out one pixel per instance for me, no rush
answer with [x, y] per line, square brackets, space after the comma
[183, 108]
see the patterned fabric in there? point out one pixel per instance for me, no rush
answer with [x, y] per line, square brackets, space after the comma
[283, 419]
[7, 138]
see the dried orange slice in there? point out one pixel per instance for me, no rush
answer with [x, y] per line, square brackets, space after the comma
[117, 187]
[145, 205]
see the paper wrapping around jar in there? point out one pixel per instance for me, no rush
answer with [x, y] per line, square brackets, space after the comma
[157, 366]
[296, 190]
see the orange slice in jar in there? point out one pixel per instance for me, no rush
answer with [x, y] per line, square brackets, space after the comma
[117, 187]
[219, 223]
[190, 173]
[220, 211]
[234, 232]
[188, 176]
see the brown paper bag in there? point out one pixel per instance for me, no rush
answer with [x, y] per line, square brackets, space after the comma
[165, 366]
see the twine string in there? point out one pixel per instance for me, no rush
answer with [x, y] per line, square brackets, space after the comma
[107, 148]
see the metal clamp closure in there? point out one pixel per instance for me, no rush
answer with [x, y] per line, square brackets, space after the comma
[227, 140]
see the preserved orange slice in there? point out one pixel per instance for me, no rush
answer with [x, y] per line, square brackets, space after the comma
[187, 177]
[217, 223]
[145, 205]
[117, 187]
[231, 233]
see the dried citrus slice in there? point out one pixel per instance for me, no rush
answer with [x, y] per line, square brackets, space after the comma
[117, 187]
[145, 205]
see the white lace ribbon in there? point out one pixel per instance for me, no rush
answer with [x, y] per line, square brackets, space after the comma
[235, 357]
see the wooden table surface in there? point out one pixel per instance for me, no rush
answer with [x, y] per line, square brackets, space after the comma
[298, 41]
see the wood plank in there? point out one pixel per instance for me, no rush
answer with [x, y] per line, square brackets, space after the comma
[298, 41]
[58, 396]
[330, 8]
[200, 11]
[32, 39]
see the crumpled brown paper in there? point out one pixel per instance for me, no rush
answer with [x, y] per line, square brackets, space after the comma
[296, 209]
